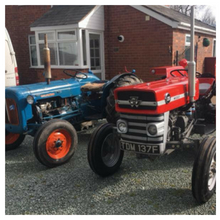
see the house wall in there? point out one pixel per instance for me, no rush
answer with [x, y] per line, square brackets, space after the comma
[18, 20]
[146, 43]
[202, 52]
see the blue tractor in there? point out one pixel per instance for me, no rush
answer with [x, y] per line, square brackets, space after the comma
[50, 111]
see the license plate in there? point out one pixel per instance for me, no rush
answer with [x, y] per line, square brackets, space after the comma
[140, 148]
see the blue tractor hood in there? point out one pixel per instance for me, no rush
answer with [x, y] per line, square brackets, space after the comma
[16, 97]
[63, 88]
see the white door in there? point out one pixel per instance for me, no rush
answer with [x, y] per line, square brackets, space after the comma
[96, 54]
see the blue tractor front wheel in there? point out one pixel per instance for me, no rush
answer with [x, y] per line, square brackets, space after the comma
[55, 143]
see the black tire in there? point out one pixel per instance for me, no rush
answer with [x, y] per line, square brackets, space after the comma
[203, 187]
[12, 141]
[96, 149]
[64, 137]
[111, 115]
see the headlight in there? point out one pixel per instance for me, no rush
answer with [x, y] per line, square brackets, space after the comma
[152, 129]
[122, 126]
[30, 99]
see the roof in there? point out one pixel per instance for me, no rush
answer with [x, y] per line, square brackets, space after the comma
[63, 15]
[176, 16]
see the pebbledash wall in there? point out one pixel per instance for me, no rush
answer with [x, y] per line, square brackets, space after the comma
[148, 43]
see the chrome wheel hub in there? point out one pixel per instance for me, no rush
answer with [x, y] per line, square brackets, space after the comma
[110, 151]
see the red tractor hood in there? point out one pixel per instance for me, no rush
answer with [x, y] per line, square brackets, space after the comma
[154, 97]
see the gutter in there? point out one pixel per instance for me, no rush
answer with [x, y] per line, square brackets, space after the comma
[186, 26]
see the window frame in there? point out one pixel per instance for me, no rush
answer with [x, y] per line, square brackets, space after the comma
[29, 45]
[187, 44]
[78, 39]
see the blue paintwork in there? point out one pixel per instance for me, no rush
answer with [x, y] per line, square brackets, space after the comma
[63, 88]
[60, 88]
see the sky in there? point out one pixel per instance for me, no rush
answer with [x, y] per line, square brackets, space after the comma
[201, 12]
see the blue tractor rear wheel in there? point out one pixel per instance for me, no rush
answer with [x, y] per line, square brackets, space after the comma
[111, 114]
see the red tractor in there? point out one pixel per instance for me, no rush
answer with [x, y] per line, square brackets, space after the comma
[158, 117]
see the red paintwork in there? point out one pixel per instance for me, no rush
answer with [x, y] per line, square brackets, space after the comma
[165, 71]
[183, 63]
[172, 85]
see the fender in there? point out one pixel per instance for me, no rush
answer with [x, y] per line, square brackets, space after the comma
[109, 85]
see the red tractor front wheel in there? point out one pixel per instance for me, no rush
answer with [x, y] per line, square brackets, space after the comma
[55, 143]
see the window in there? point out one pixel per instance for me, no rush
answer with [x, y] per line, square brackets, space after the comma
[33, 50]
[63, 47]
[66, 35]
[95, 51]
[69, 49]
[187, 46]
[53, 53]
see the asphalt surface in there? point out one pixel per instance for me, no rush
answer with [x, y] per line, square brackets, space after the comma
[140, 187]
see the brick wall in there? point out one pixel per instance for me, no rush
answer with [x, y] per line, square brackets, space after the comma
[18, 20]
[146, 43]
[202, 52]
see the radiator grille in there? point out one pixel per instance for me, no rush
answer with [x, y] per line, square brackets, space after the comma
[144, 100]
[137, 126]
[11, 112]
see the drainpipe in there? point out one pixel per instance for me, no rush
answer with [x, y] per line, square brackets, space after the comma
[191, 63]
[47, 68]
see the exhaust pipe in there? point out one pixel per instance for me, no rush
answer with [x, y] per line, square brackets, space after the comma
[47, 67]
[191, 63]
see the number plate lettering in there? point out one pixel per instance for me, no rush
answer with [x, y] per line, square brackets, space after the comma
[140, 148]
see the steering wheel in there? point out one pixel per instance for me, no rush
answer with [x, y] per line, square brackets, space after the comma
[69, 74]
[77, 74]
[179, 71]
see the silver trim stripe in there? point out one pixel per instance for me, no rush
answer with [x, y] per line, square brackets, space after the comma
[142, 117]
[159, 103]
[137, 124]
[142, 103]
[137, 131]
[130, 137]
[139, 138]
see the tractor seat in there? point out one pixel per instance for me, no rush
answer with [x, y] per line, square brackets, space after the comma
[205, 85]
[93, 87]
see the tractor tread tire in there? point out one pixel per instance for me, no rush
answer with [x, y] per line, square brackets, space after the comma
[111, 115]
[16, 144]
[95, 148]
[40, 139]
[200, 174]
